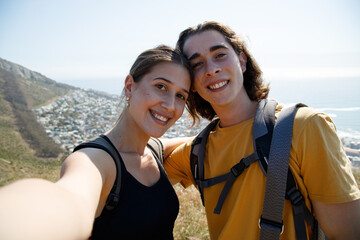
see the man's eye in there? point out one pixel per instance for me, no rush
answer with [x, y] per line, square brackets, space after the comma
[161, 86]
[220, 55]
[196, 65]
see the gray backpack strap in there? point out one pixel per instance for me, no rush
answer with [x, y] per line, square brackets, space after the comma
[157, 148]
[270, 222]
[264, 122]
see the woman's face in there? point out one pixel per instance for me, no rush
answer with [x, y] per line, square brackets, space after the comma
[158, 99]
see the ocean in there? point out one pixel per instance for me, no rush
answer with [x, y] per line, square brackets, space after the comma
[339, 98]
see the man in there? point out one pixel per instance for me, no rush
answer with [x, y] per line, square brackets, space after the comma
[228, 84]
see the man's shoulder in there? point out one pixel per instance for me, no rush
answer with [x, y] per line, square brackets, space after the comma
[305, 113]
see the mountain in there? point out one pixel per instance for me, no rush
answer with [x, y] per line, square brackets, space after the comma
[23, 72]
[37, 88]
[25, 148]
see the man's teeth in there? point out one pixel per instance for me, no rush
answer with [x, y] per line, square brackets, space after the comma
[218, 85]
[162, 118]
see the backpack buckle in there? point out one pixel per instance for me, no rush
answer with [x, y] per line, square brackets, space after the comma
[112, 201]
[238, 168]
[263, 222]
[295, 196]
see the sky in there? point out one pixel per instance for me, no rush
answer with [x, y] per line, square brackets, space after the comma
[94, 43]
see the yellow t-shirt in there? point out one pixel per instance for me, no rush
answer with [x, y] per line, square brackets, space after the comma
[317, 159]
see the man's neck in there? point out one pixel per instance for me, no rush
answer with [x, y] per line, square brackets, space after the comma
[233, 114]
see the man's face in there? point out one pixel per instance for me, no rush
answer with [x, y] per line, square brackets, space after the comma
[217, 68]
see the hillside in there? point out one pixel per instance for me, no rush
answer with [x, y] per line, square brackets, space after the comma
[36, 88]
[25, 148]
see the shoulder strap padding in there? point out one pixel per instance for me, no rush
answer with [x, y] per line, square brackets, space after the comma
[157, 148]
[264, 122]
[277, 173]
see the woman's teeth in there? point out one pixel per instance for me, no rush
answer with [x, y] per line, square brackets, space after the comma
[161, 118]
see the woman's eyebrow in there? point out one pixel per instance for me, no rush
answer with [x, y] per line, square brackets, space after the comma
[170, 82]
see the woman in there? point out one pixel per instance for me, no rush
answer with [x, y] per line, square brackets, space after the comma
[156, 91]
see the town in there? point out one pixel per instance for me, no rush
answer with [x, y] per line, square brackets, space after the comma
[84, 114]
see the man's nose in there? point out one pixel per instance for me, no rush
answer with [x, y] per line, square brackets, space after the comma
[212, 68]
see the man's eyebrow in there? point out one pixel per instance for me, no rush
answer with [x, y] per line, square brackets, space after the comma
[195, 55]
[170, 82]
[213, 48]
[216, 47]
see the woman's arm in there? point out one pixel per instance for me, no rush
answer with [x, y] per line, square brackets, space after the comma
[170, 144]
[39, 209]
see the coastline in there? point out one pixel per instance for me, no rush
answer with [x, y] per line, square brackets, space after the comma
[352, 149]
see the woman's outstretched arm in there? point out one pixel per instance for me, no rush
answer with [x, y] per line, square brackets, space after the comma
[39, 209]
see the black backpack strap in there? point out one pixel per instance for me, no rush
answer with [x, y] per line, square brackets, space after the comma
[264, 109]
[105, 144]
[300, 211]
[262, 129]
[198, 147]
[157, 148]
[236, 170]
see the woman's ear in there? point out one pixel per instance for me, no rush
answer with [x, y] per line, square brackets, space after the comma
[243, 61]
[128, 86]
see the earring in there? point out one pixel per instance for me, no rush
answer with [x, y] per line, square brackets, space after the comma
[127, 102]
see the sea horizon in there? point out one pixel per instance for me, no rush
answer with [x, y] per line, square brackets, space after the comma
[338, 98]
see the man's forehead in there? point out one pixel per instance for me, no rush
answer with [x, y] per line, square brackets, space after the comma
[203, 42]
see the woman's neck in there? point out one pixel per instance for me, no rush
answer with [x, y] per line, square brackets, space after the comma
[127, 137]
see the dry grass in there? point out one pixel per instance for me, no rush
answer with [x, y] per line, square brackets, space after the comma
[191, 222]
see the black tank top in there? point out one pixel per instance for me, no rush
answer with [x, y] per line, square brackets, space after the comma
[142, 213]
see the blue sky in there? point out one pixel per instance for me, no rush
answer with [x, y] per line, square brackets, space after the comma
[92, 42]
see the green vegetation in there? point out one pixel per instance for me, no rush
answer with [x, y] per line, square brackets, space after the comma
[17, 159]
[25, 149]
[25, 120]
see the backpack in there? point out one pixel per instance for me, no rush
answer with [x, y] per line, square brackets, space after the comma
[102, 142]
[272, 141]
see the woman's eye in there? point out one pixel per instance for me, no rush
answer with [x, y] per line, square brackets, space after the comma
[161, 86]
[181, 96]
